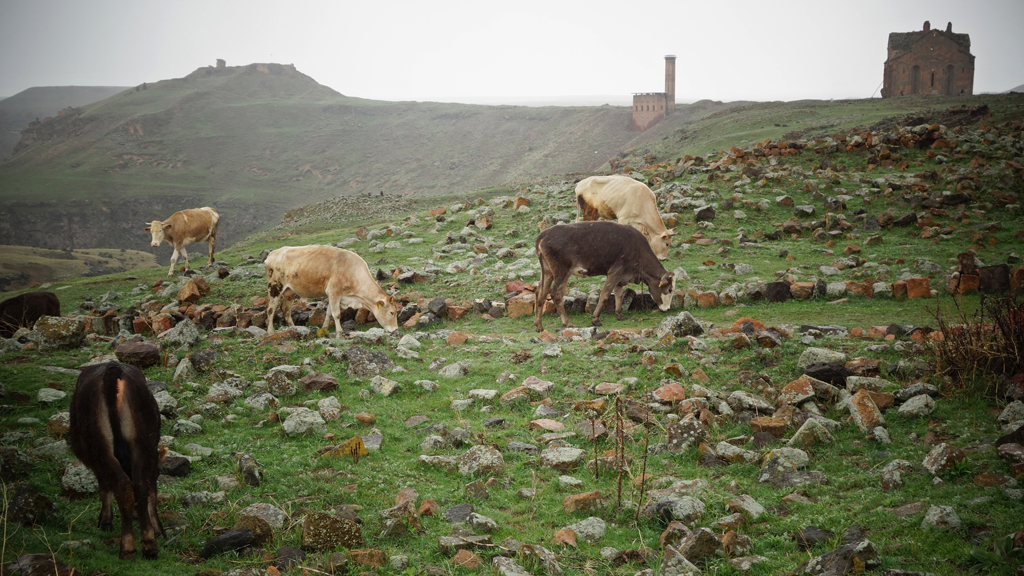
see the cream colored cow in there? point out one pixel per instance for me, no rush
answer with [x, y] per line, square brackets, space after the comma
[185, 227]
[627, 201]
[316, 271]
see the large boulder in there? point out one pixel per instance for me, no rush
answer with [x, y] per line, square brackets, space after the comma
[59, 333]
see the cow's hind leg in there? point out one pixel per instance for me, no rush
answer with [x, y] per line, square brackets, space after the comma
[212, 240]
[184, 254]
[617, 292]
[144, 485]
[106, 520]
[334, 308]
[609, 284]
[543, 289]
[559, 287]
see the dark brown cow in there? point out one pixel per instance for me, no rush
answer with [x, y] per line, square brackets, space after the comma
[584, 249]
[185, 227]
[115, 432]
[24, 309]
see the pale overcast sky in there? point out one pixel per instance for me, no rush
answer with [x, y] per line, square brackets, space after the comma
[480, 51]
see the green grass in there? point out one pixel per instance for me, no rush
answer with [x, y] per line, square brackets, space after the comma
[296, 479]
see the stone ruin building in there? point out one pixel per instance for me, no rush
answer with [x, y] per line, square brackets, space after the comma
[929, 62]
[650, 107]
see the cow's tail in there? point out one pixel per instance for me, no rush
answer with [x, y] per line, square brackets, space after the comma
[112, 394]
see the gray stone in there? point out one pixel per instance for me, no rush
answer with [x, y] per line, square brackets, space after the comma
[304, 421]
[186, 428]
[49, 395]
[184, 334]
[589, 530]
[918, 406]
[79, 480]
[820, 355]
[941, 517]
[481, 460]
[562, 459]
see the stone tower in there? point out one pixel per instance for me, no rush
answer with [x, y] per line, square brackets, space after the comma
[649, 108]
[670, 83]
[929, 62]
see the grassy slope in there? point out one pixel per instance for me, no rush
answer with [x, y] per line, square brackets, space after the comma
[297, 479]
[21, 266]
[37, 103]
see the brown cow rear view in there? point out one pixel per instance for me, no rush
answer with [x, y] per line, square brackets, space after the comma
[24, 309]
[115, 432]
[585, 249]
[185, 227]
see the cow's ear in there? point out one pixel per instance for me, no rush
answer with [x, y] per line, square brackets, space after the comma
[147, 228]
[166, 226]
[670, 232]
[380, 304]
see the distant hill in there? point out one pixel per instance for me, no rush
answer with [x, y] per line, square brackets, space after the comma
[16, 112]
[1017, 89]
[256, 141]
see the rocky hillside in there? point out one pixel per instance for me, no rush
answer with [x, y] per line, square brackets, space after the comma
[38, 104]
[794, 413]
[256, 140]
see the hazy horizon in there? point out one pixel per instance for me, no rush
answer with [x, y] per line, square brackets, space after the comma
[461, 51]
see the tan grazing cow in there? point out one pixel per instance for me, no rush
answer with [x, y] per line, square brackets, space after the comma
[627, 201]
[185, 227]
[316, 271]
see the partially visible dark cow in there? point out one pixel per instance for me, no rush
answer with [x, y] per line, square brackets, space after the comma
[185, 227]
[115, 432]
[25, 309]
[583, 249]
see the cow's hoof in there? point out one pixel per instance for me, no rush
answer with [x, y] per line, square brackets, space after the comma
[127, 555]
[620, 316]
[150, 553]
[106, 526]
[595, 322]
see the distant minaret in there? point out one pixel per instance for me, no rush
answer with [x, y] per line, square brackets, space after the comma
[670, 83]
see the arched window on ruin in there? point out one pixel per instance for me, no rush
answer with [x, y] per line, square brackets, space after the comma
[933, 80]
[950, 73]
[915, 79]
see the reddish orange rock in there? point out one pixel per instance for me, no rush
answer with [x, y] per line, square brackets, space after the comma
[774, 426]
[520, 305]
[801, 290]
[707, 299]
[365, 418]
[671, 392]
[565, 537]
[428, 507]
[918, 288]
[468, 560]
[586, 501]
[368, 557]
[457, 338]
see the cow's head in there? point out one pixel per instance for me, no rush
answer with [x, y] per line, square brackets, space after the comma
[664, 291]
[385, 310]
[661, 242]
[157, 228]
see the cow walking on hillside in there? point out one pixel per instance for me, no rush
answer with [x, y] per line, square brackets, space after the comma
[185, 227]
[316, 271]
[115, 432]
[23, 310]
[626, 201]
[598, 249]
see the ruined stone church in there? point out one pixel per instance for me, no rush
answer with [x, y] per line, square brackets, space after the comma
[929, 62]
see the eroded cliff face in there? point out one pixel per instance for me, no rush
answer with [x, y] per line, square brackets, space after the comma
[118, 223]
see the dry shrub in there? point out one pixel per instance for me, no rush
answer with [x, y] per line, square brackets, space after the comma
[978, 353]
